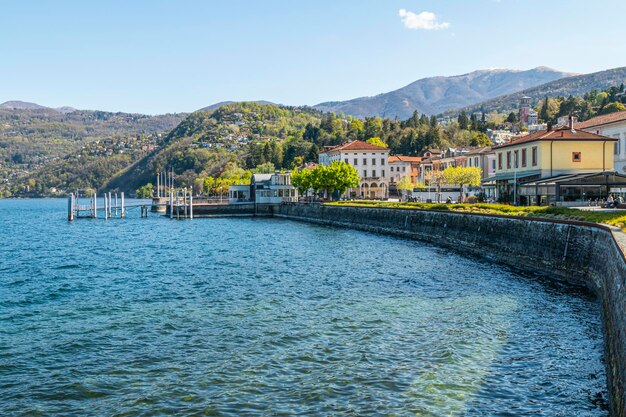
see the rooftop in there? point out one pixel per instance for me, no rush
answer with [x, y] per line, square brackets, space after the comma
[404, 158]
[356, 145]
[602, 120]
[559, 133]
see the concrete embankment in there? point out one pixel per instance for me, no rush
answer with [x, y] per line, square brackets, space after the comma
[580, 253]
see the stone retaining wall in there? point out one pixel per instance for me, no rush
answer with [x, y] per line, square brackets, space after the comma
[581, 253]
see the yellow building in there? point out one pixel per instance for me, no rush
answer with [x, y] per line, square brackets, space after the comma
[550, 154]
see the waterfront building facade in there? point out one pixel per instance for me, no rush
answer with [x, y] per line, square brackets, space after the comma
[545, 154]
[371, 163]
[265, 189]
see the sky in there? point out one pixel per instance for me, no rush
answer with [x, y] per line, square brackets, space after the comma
[153, 56]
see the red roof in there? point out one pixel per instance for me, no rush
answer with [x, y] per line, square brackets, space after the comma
[560, 133]
[403, 158]
[602, 120]
[356, 145]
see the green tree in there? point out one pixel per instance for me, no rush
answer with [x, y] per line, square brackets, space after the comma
[479, 139]
[302, 180]
[405, 185]
[612, 108]
[145, 191]
[463, 176]
[377, 142]
[463, 121]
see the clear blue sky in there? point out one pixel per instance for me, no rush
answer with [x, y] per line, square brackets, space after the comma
[171, 56]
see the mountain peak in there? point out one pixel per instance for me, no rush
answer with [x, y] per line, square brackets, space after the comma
[21, 105]
[435, 95]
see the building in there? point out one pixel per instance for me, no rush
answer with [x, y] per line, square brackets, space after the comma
[371, 163]
[264, 189]
[614, 126]
[548, 154]
[524, 110]
[401, 166]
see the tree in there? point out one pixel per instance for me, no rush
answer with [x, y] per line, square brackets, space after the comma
[377, 142]
[612, 108]
[463, 121]
[479, 139]
[355, 130]
[405, 185]
[144, 191]
[338, 176]
[301, 179]
[436, 178]
[463, 176]
[512, 117]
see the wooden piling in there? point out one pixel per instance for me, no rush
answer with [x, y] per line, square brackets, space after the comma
[70, 207]
[171, 204]
[191, 206]
[106, 207]
[123, 211]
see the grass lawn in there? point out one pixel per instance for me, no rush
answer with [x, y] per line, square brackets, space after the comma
[614, 218]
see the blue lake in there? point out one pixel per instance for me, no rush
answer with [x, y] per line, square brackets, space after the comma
[242, 316]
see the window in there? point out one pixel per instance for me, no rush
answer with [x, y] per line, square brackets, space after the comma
[476, 161]
[534, 155]
[493, 164]
[391, 169]
[403, 169]
[523, 157]
[576, 157]
[346, 160]
[383, 173]
[364, 161]
[516, 153]
[365, 173]
[383, 161]
[373, 161]
[356, 161]
[374, 173]
[616, 147]
[500, 160]
[508, 160]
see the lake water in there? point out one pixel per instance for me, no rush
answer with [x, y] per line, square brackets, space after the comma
[242, 316]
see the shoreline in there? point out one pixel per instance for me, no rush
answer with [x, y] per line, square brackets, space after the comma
[580, 253]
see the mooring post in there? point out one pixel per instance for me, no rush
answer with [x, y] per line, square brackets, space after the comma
[158, 193]
[122, 211]
[171, 204]
[116, 204]
[191, 205]
[110, 205]
[106, 208]
[185, 202]
[95, 205]
[70, 207]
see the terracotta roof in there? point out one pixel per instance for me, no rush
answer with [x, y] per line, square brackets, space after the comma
[356, 145]
[602, 120]
[560, 133]
[403, 158]
[480, 150]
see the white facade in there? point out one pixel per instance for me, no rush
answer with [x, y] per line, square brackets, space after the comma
[399, 170]
[371, 165]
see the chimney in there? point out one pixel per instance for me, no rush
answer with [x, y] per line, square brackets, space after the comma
[571, 124]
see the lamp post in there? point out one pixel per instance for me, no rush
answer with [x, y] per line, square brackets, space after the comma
[515, 178]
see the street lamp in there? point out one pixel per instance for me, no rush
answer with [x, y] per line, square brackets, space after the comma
[515, 178]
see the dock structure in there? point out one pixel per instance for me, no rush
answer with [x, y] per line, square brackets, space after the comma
[78, 208]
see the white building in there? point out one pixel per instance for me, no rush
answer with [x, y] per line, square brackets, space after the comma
[369, 160]
[614, 126]
[264, 189]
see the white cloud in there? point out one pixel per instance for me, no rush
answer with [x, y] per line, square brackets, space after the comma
[423, 20]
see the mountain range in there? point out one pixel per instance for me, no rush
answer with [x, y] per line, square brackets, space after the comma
[436, 95]
[570, 86]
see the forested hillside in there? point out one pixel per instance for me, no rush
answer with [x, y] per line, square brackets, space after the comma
[37, 142]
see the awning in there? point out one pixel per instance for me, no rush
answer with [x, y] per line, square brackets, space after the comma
[511, 176]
